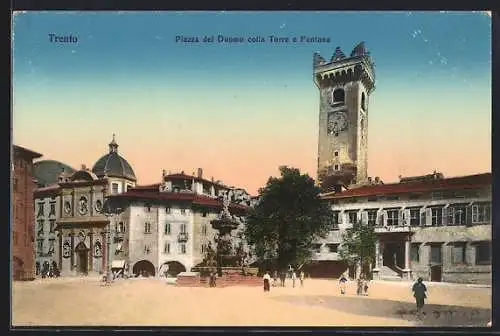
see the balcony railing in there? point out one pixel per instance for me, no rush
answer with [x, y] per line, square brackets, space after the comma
[392, 228]
[182, 237]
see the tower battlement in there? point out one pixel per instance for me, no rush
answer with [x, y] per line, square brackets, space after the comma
[342, 69]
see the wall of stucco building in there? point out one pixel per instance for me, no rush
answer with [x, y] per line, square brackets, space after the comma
[142, 245]
[426, 235]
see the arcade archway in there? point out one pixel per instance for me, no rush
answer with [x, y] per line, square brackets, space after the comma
[173, 268]
[144, 268]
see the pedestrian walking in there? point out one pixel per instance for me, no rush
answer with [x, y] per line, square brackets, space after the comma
[359, 285]
[302, 275]
[275, 278]
[420, 294]
[294, 277]
[365, 286]
[283, 278]
[342, 283]
[267, 282]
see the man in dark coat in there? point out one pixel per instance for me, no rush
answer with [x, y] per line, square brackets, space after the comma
[419, 293]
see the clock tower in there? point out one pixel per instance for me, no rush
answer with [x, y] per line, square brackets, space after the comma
[345, 84]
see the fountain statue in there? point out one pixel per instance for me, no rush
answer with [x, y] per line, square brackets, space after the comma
[225, 224]
[227, 260]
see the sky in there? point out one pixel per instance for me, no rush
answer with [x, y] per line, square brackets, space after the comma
[241, 110]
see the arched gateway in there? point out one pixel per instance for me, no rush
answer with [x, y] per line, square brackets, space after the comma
[144, 268]
[172, 268]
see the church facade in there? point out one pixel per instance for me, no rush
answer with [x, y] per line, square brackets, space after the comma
[430, 226]
[73, 231]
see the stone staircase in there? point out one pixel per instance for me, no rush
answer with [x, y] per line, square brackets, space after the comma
[389, 274]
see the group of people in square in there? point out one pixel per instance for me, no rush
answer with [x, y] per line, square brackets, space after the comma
[419, 289]
[282, 276]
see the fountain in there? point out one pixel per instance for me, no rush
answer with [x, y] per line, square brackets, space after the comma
[227, 261]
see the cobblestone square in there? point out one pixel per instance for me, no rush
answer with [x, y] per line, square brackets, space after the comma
[151, 302]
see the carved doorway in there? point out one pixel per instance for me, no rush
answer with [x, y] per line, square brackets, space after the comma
[82, 258]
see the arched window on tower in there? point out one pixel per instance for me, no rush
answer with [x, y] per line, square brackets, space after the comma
[338, 96]
[363, 101]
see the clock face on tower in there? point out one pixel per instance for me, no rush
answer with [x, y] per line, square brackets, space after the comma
[337, 122]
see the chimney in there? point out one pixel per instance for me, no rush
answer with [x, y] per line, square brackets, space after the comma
[84, 166]
[200, 173]
[164, 172]
[377, 179]
[182, 172]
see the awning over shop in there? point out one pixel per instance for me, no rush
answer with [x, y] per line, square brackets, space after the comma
[118, 264]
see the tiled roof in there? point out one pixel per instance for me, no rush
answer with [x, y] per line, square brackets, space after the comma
[48, 188]
[175, 196]
[462, 182]
[26, 152]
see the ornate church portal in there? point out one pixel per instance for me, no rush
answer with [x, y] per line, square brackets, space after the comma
[82, 258]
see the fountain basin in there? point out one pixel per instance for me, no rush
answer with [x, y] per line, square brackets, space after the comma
[231, 276]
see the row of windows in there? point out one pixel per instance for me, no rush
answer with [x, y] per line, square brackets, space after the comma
[458, 253]
[41, 244]
[458, 214]
[168, 228]
[41, 209]
[181, 248]
[168, 210]
[41, 226]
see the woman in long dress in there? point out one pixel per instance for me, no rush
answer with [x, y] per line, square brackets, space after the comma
[267, 282]
[342, 282]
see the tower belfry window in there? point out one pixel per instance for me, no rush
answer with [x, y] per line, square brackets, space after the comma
[338, 96]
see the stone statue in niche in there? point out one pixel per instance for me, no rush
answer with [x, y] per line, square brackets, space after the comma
[98, 206]
[81, 236]
[97, 249]
[83, 206]
[66, 249]
[67, 207]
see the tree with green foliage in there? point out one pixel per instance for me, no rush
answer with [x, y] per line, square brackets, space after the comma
[288, 218]
[358, 245]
